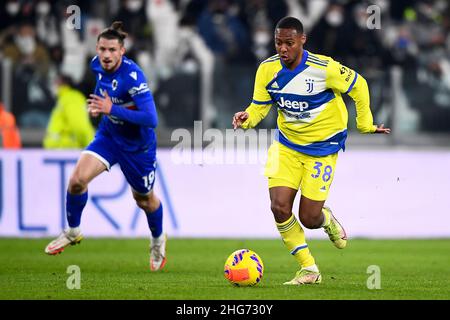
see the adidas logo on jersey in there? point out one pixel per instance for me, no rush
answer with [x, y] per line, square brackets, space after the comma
[275, 85]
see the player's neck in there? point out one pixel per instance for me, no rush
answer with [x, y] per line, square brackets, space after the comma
[117, 66]
[297, 61]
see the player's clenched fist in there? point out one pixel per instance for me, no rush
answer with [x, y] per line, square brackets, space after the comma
[239, 118]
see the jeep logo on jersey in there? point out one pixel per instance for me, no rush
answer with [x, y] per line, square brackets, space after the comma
[114, 84]
[143, 87]
[310, 85]
[296, 105]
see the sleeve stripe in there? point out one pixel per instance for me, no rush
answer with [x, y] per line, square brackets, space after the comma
[316, 60]
[275, 58]
[353, 83]
[262, 102]
[316, 63]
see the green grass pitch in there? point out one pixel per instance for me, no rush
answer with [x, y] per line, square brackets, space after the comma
[118, 269]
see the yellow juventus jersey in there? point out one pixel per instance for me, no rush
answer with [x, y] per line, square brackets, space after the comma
[312, 117]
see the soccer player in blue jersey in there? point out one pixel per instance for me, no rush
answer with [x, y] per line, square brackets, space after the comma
[125, 136]
[312, 119]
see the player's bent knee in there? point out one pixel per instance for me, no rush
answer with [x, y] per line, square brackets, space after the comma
[143, 204]
[310, 221]
[281, 211]
[148, 204]
[77, 185]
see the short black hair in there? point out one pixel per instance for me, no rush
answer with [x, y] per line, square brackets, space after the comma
[114, 32]
[290, 23]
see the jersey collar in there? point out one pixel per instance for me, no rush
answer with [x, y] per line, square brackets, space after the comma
[301, 66]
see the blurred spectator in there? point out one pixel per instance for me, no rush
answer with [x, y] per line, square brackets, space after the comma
[10, 136]
[331, 35]
[309, 12]
[31, 65]
[420, 48]
[133, 13]
[164, 23]
[48, 29]
[25, 50]
[69, 126]
[9, 13]
[74, 60]
[261, 29]
[224, 32]
[193, 56]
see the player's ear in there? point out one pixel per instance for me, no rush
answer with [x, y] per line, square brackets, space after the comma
[122, 50]
[303, 38]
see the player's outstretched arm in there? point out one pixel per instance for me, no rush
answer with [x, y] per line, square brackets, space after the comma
[382, 129]
[239, 118]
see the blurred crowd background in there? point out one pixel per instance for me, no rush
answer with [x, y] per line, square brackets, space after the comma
[200, 57]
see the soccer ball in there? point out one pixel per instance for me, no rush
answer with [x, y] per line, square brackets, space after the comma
[244, 268]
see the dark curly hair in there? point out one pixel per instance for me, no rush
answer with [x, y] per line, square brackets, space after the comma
[115, 31]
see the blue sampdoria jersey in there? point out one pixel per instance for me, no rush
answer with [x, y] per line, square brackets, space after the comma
[133, 114]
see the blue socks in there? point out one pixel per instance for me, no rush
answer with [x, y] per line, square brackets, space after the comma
[75, 204]
[155, 220]
[74, 207]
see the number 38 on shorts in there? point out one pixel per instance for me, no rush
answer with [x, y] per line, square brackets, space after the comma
[312, 175]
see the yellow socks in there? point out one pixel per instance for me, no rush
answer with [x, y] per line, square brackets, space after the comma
[294, 239]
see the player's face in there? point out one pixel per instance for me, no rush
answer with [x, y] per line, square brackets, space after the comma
[289, 45]
[110, 52]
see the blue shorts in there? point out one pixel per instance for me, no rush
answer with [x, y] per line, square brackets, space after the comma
[138, 167]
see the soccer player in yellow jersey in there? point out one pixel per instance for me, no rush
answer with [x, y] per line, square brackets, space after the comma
[306, 88]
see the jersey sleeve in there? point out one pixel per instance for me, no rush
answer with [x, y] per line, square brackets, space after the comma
[96, 70]
[139, 91]
[346, 80]
[97, 89]
[261, 102]
[340, 77]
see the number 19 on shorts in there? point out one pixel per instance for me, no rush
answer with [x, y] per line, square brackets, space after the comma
[149, 180]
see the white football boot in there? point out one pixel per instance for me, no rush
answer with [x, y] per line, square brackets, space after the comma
[335, 231]
[158, 252]
[67, 237]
